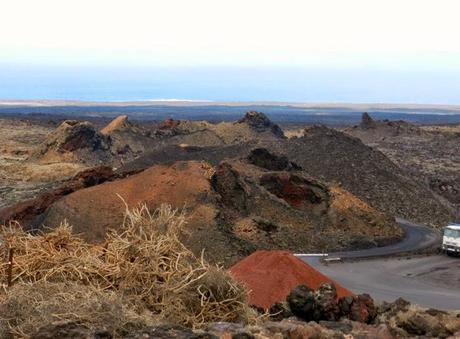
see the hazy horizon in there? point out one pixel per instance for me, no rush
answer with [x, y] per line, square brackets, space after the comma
[304, 51]
[88, 83]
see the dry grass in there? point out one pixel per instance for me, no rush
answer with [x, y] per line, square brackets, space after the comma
[146, 263]
[27, 307]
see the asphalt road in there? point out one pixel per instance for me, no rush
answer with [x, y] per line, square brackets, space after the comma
[430, 281]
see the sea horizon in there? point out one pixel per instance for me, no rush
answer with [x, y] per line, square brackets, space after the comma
[228, 84]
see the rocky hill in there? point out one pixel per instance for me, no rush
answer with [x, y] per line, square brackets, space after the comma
[74, 141]
[381, 129]
[253, 126]
[323, 153]
[260, 202]
[367, 173]
[127, 140]
[427, 154]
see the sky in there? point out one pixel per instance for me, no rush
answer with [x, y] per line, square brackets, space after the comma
[394, 35]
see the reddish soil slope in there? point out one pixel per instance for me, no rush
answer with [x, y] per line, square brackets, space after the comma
[271, 275]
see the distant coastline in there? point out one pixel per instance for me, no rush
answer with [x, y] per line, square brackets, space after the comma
[192, 102]
[331, 114]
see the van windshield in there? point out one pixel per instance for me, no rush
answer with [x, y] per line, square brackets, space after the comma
[452, 233]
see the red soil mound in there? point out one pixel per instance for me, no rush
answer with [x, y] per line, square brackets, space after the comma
[271, 275]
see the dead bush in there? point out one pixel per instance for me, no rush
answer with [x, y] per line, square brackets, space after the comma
[146, 263]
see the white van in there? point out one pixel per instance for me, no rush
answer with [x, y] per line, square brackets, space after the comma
[451, 239]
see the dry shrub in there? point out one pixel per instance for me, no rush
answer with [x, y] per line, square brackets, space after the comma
[145, 262]
[157, 268]
[54, 257]
[27, 307]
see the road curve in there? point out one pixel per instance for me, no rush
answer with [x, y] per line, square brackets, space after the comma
[386, 278]
[416, 238]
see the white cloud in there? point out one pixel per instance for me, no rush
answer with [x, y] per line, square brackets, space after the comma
[243, 32]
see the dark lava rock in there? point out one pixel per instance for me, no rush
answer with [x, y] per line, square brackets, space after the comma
[366, 121]
[69, 330]
[301, 301]
[296, 190]
[172, 153]
[345, 305]
[260, 122]
[362, 309]
[326, 307]
[228, 183]
[263, 158]
[169, 332]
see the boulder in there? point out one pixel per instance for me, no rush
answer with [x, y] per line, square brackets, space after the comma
[314, 305]
[326, 307]
[301, 301]
[362, 309]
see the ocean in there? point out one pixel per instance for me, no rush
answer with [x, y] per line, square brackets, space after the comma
[287, 84]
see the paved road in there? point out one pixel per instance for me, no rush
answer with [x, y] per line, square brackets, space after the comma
[416, 238]
[432, 281]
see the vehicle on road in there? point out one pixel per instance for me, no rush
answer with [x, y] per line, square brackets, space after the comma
[451, 239]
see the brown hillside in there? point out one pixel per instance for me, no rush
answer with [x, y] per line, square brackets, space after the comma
[242, 208]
